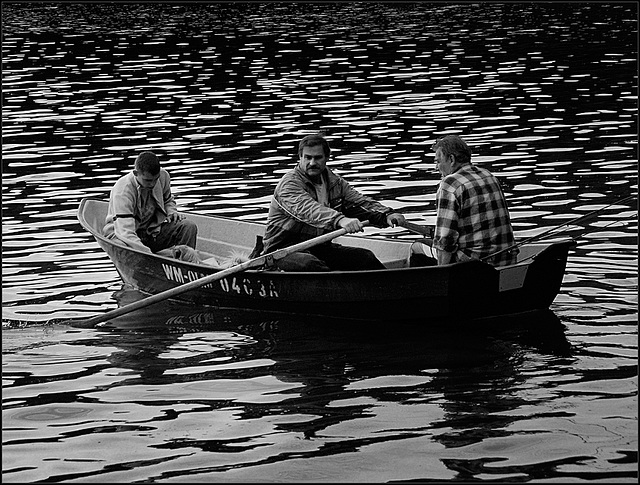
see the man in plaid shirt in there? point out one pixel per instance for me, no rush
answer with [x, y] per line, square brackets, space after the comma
[472, 219]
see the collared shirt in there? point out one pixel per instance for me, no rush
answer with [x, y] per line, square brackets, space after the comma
[472, 219]
[321, 192]
[146, 208]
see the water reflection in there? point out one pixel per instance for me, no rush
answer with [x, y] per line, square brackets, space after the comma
[315, 356]
[157, 374]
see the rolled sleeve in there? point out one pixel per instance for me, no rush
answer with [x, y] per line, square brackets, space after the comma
[125, 230]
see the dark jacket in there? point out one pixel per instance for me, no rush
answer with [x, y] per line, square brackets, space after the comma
[295, 214]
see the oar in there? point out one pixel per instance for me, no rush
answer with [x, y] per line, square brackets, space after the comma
[170, 293]
[554, 229]
[426, 231]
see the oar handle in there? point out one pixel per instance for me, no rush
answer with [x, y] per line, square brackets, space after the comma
[426, 231]
[252, 263]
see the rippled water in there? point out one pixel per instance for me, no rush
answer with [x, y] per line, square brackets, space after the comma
[546, 95]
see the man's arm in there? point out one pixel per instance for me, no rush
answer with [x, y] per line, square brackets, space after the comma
[292, 197]
[445, 239]
[360, 206]
[170, 206]
[124, 225]
[167, 196]
[350, 224]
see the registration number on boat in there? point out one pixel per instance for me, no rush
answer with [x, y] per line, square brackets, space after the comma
[236, 284]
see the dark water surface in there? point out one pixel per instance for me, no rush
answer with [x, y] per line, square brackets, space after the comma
[546, 95]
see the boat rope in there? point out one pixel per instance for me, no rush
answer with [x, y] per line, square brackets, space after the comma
[554, 230]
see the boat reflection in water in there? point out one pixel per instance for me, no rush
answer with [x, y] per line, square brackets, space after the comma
[309, 348]
[237, 386]
[541, 326]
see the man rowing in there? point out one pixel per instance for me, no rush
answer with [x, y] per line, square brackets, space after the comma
[311, 200]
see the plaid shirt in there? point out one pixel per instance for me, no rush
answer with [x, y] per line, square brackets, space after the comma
[472, 219]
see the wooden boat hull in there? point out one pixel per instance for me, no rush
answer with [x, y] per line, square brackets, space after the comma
[462, 290]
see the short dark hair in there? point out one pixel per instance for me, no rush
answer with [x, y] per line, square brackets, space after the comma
[312, 141]
[148, 162]
[454, 145]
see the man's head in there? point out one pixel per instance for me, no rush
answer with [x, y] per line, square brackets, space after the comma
[147, 169]
[313, 153]
[451, 153]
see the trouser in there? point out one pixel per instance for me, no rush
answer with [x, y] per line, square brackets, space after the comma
[422, 253]
[330, 257]
[171, 234]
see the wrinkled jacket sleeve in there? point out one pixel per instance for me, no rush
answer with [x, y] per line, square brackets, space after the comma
[362, 207]
[292, 198]
[123, 208]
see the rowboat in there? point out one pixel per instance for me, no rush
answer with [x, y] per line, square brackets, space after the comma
[464, 290]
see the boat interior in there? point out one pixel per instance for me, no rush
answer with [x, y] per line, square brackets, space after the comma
[226, 239]
[222, 239]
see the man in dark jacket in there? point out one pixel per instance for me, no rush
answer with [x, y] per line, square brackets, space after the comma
[311, 200]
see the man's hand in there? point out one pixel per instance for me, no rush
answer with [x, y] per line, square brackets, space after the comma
[394, 219]
[175, 217]
[351, 225]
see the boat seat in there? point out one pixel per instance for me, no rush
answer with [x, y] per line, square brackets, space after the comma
[392, 256]
[396, 263]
